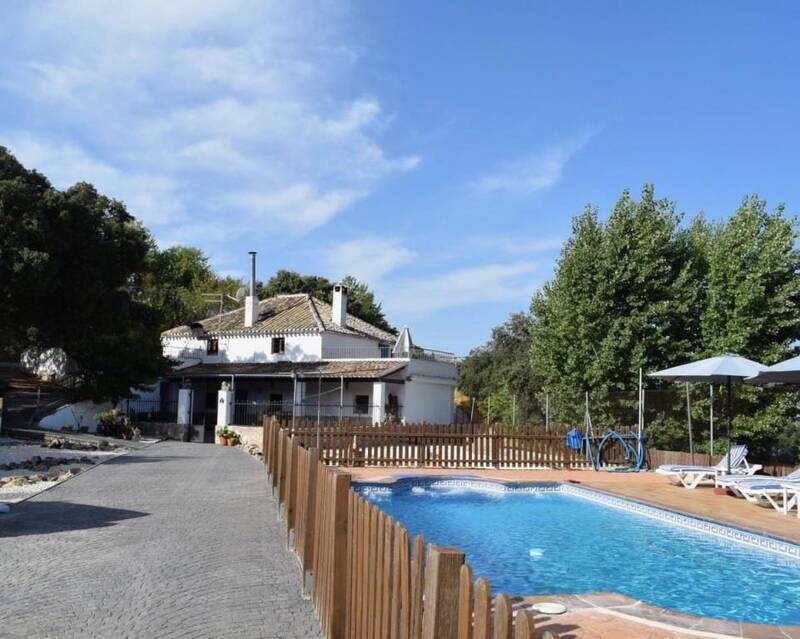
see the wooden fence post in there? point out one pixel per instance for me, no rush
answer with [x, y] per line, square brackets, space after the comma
[502, 617]
[338, 620]
[310, 514]
[442, 574]
[523, 625]
[483, 610]
[465, 603]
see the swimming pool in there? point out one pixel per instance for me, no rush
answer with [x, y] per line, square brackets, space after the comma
[529, 539]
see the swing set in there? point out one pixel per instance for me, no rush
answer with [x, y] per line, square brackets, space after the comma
[594, 445]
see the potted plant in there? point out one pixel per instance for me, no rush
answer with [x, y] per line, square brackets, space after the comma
[224, 436]
[235, 439]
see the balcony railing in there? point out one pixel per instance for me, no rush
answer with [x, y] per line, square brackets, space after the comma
[253, 413]
[386, 352]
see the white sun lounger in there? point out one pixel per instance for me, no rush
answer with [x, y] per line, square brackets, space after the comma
[781, 494]
[692, 476]
[733, 482]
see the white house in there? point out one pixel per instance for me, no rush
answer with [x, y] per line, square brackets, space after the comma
[296, 354]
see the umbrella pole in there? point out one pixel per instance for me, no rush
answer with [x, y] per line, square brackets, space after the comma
[689, 422]
[730, 421]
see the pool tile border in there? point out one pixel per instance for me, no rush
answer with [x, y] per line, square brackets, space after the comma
[729, 533]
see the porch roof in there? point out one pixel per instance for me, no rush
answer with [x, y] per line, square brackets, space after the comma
[329, 369]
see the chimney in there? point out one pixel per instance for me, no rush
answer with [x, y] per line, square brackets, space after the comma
[251, 301]
[340, 305]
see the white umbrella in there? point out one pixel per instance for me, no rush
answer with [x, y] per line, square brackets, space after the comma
[722, 369]
[787, 372]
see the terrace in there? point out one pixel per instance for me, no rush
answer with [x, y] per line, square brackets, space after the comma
[381, 457]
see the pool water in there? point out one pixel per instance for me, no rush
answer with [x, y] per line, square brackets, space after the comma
[553, 542]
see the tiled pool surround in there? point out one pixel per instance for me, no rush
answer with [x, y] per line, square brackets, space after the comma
[730, 533]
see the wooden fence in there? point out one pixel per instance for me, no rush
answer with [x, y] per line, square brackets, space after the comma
[368, 579]
[443, 445]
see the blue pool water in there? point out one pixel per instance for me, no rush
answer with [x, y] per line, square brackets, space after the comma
[551, 542]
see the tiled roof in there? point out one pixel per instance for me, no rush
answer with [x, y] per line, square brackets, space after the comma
[332, 369]
[286, 314]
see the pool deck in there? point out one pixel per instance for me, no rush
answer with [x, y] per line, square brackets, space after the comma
[610, 615]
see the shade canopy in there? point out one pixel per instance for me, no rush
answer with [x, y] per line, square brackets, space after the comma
[714, 370]
[787, 372]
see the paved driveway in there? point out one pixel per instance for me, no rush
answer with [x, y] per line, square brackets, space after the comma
[176, 540]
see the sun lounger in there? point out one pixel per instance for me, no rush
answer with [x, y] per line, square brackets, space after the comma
[781, 494]
[733, 482]
[692, 476]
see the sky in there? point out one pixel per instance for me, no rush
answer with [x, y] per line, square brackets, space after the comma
[435, 150]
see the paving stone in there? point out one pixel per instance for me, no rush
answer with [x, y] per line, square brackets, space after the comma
[175, 540]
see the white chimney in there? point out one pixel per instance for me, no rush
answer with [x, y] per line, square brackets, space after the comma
[251, 301]
[340, 305]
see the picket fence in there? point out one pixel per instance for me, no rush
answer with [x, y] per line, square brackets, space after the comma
[368, 579]
[356, 444]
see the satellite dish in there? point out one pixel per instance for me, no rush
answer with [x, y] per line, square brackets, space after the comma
[241, 293]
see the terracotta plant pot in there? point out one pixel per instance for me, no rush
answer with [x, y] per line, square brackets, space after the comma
[224, 441]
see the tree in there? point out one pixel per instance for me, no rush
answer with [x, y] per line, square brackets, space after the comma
[626, 294]
[68, 265]
[502, 370]
[753, 309]
[360, 300]
[178, 282]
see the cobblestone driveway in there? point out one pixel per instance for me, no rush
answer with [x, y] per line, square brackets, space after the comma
[176, 540]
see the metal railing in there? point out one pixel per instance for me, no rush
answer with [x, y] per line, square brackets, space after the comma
[252, 413]
[152, 410]
[386, 352]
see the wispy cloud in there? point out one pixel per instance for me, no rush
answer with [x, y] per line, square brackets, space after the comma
[229, 109]
[368, 258]
[462, 287]
[532, 173]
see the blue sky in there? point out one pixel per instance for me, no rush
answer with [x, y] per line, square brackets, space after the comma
[435, 150]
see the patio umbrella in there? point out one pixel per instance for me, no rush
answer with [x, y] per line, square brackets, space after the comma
[723, 369]
[787, 372]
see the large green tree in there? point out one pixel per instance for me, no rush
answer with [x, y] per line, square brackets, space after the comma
[181, 285]
[501, 373]
[360, 301]
[68, 266]
[626, 295]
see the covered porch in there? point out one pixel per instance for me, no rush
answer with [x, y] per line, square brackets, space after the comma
[330, 391]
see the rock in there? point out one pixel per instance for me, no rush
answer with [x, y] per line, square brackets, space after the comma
[17, 481]
[35, 478]
[65, 475]
[54, 443]
[103, 445]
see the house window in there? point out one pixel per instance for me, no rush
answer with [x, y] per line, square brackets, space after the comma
[278, 345]
[212, 347]
[362, 405]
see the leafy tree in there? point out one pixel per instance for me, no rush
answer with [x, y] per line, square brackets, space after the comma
[179, 282]
[503, 367]
[626, 294]
[360, 300]
[753, 309]
[68, 264]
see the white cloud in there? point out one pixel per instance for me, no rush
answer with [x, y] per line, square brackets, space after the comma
[231, 109]
[154, 198]
[535, 172]
[462, 287]
[367, 258]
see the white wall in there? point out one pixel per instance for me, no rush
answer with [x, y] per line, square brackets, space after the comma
[427, 402]
[249, 348]
[75, 416]
[349, 346]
